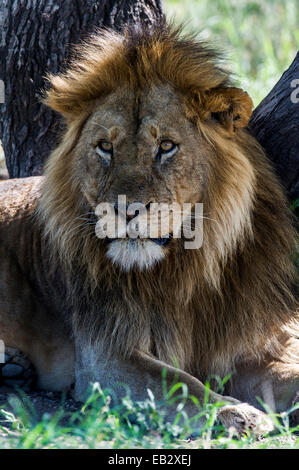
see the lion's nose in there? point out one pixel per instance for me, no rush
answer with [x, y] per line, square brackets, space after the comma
[120, 209]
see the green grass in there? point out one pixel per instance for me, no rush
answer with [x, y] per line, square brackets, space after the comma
[260, 38]
[99, 425]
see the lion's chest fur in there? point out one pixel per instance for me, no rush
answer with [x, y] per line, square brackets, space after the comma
[119, 320]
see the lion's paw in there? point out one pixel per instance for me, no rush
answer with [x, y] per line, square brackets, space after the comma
[244, 418]
[17, 369]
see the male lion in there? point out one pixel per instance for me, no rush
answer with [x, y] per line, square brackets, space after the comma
[152, 116]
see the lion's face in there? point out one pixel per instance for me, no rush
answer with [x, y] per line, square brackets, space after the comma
[156, 121]
[141, 147]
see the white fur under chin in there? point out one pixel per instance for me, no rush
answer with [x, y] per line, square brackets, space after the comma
[129, 253]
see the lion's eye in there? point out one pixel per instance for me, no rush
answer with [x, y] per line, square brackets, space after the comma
[167, 146]
[167, 149]
[105, 150]
[106, 146]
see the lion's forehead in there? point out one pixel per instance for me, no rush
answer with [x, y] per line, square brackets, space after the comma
[134, 112]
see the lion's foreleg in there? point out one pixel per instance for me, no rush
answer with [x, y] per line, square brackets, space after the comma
[142, 372]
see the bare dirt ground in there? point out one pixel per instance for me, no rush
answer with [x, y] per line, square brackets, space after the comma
[36, 402]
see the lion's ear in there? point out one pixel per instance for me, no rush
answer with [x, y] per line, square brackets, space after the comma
[232, 107]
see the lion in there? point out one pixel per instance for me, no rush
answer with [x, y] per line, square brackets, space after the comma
[153, 115]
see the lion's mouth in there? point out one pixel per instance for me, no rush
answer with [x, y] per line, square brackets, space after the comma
[158, 241]
[161, 241]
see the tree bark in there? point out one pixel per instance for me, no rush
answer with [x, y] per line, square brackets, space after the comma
[35, 38]
[275, 124]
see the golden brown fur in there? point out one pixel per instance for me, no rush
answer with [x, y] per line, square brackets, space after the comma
[225, 306]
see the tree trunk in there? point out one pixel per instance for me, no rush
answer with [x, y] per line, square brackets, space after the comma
[275, 124]
[35, 39]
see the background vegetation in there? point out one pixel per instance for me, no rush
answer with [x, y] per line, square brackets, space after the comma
[260, 38]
